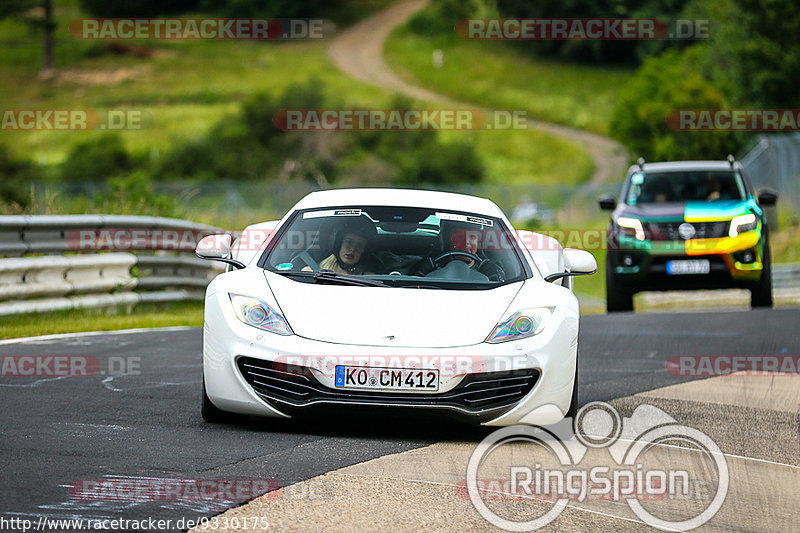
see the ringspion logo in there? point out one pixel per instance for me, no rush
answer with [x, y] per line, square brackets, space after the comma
[549, 465]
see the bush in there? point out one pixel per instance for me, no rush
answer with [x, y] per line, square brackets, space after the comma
[248, 146]
[441, 16]
[588, 50]
[755, 54]
[134, 194]
[15, 178]
[142, 8]
[96, 160]
[668, 82]
[276, 8]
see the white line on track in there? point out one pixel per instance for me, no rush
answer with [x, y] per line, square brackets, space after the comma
[731, 455]
[439, 483]
[58, 336]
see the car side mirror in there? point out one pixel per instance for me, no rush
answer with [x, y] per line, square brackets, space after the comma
[607, 202]
[217, 247]
[577, 262]
[767, 197]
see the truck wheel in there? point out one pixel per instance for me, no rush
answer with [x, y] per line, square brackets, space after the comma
[761, 294]
[617, 298]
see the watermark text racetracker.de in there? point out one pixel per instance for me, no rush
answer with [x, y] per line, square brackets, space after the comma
[729, 365]
[671, 476]
[399, 119]
[734, 119]
[254, 239]
[597, 29]
[258, 29]
[60, 366]
[74, 119]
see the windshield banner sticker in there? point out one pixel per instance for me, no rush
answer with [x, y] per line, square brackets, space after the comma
[465, 218]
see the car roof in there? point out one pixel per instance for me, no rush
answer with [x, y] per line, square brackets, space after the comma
[681, 166]
[400, 197]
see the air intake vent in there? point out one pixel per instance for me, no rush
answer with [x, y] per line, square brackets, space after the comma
[476, 394]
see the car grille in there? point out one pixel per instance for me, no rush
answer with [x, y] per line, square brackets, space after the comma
[476, 394]
[668, 231]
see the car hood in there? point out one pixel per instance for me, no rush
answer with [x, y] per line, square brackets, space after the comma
[390, 316]
[688, 211]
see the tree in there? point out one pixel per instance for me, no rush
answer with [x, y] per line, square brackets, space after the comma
[663, 84]
[25, 9]
[755, 52]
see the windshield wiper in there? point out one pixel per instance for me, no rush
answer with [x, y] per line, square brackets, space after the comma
[346, 279]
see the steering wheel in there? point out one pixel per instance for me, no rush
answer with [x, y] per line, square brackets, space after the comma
[307, 259]
[456, 253]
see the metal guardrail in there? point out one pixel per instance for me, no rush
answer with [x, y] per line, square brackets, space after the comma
[160, 271]
[786, 275]
[62, 275]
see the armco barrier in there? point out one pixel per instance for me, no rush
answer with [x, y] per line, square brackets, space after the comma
[155, 266]
[157, 262]
[786, 275]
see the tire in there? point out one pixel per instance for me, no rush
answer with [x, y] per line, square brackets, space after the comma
[572, 412]
[617, 298]
[211, 413]
[761, 293]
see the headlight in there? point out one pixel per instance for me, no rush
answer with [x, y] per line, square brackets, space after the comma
[256, 313]
[522, 324]
[742, 223]
[632, 223]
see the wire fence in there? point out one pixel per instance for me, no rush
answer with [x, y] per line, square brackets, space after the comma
[770, 161]
[774, 161]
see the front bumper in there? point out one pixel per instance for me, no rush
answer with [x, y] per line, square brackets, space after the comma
[528, 381]
[642, 265]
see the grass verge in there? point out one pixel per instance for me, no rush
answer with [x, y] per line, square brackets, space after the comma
[142, 316]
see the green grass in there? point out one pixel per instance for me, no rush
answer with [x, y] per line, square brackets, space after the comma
[498, 75]
[785, 244]
[188, 86]
[142, 316]
[517, 157]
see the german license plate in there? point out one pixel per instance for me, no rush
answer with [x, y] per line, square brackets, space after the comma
[375, 378]
[689, 266]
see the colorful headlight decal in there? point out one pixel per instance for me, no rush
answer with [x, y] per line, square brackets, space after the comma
[632, 223]
[258, 314]
[522, 324]
[742, 223]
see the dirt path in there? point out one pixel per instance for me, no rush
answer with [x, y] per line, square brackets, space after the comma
[358, 52]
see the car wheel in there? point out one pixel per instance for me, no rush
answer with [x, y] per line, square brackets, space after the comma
[617, 298]
[211, 413]
[572, 412]
[761, 294]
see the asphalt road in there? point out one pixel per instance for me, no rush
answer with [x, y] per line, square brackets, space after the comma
[146, 426]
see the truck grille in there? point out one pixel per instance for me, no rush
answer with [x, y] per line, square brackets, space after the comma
[668, 231]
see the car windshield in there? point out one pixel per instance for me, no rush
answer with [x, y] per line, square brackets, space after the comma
[691, 186]
[400, 246]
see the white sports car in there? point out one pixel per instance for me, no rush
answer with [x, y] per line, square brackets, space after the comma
[392, 299]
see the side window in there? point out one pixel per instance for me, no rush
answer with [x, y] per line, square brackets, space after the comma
[744, 184]
[635, 188]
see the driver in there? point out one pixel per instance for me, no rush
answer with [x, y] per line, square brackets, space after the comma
[350, 247]
[463, 239]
